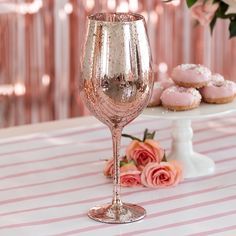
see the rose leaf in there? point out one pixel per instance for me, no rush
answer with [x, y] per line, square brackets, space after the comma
[232, 28]
[190, 3]
[164, 158]
[145, 135]
[131, 137]
[213, 22]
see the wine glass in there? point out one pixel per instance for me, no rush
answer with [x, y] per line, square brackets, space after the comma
[115, 84]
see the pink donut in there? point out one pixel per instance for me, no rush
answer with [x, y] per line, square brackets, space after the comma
[234, 87]
[218, 91]
[191, 75]
[177, 98]
[158, 88]
[217, 78]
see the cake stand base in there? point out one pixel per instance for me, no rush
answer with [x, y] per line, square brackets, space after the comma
[194, 164]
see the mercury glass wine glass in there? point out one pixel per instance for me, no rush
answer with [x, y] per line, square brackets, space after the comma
[115, 84]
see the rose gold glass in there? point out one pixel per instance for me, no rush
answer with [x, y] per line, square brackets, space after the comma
[115, 84]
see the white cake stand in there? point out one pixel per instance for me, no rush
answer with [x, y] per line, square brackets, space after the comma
[194, 164]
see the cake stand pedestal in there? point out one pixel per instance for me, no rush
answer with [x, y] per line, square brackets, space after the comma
[194, 164]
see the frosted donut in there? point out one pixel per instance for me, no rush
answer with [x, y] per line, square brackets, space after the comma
[234, 87]
[191, 75]
[218, 91]
[158, 88]
[217, 78]
[178, 98]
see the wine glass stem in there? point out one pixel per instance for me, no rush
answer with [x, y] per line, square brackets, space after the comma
[116, 138]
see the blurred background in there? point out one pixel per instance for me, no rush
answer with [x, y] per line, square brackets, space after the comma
[41, 44]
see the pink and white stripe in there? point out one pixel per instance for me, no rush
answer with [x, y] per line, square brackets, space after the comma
[49, 180]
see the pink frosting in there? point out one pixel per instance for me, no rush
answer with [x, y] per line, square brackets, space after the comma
[217, 78]
[156, 94]
[179, 96]
[191, 73]
[234, 87]
[219, 89]
[158, 88]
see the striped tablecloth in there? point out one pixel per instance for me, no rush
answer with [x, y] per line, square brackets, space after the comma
[49, 180]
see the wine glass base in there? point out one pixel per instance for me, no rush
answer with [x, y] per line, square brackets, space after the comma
[126, 213]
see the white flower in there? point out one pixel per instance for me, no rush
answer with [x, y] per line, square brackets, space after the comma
[232, 6]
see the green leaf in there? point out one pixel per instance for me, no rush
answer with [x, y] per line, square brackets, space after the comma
[131, 137]
[164, 158]
[232, 28]
[132, 162]
[213, 22]
[191, 2]
[145, 135]
[123, 163]
[220, 13]
[151, 135]
[148, 135]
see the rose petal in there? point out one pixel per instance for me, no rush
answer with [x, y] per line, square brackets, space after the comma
[204, 11]
[108, 169]
[160, 175]
[130, 178]
[145, 152]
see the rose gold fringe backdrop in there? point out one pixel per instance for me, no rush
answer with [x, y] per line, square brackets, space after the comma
[41, 44]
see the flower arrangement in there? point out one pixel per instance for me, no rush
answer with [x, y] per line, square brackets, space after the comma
[209, 11]
[145, 164]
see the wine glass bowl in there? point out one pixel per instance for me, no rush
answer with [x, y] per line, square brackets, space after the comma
[115, 84]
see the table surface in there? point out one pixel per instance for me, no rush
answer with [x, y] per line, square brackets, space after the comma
[51, 174]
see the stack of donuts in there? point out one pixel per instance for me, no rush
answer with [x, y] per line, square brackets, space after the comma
[191, 84]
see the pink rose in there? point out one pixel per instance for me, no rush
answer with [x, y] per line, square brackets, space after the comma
[144, 152]
[130, 176]
[109, 169]
[160, 175]
[204, 11]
